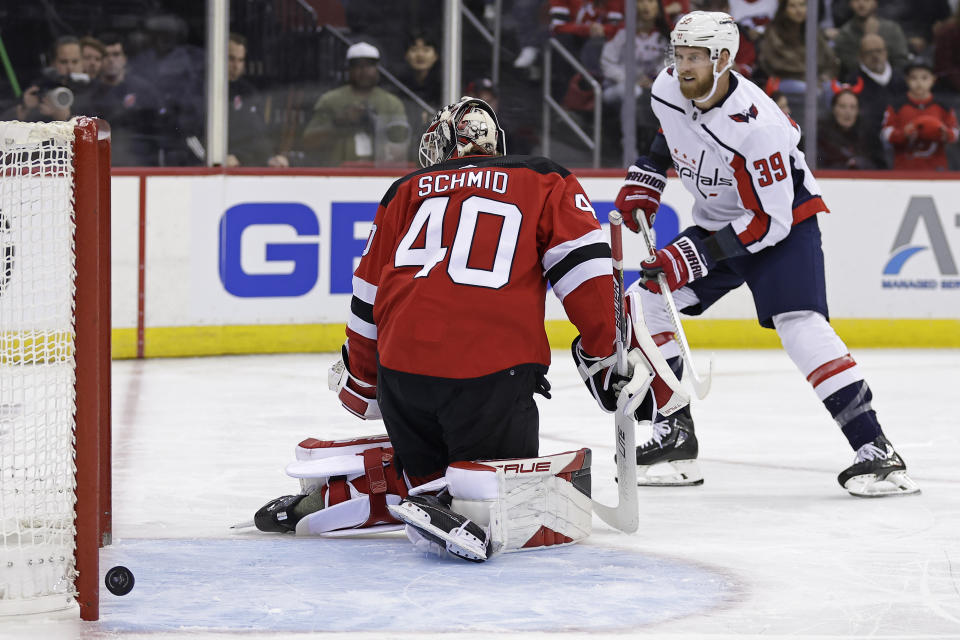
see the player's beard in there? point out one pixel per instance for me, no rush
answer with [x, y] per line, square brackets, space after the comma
[697, 89]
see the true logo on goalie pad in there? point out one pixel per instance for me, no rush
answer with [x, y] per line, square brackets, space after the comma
[523, 467]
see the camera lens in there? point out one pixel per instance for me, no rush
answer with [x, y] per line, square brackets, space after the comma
[60, 97]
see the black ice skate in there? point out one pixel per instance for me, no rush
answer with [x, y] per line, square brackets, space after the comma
[669, 458]
[433, 519]
[277, 516]
[878, 471]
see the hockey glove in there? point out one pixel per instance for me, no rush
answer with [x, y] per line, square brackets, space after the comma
[681, 261]
[356, 396]
[640, 193]
[600, 376]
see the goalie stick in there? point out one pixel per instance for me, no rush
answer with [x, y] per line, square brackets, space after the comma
[701, 386]
[625, 514]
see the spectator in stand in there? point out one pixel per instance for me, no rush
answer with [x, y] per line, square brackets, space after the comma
[130, 104]
[176, 70]
[752, 16]
[946, 51]
[842, 143]
[865, 20]
[68, 60]
[651, 45]
[42, 101]
[783, 50]
[878, 84]
[782, 55]
[422, 76]
[67, 69]
[91, 51]
[358, 122]
[919, 127]
[651, 42]
[583, 27]
[917, 20]
[53, 96]
[248, 142]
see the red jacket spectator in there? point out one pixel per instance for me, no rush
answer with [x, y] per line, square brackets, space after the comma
[576, 17]
[919, 132]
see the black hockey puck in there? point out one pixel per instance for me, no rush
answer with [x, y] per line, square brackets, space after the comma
[119, 581]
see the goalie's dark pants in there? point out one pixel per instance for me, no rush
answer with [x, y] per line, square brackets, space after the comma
[435, 421]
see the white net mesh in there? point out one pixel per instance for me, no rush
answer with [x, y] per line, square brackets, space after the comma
[37, 395]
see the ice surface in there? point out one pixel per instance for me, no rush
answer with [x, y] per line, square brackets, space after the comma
[769, 546]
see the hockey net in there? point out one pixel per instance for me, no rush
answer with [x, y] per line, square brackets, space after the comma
[54, 364]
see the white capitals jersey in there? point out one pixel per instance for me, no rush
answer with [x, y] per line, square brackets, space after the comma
[740, 161]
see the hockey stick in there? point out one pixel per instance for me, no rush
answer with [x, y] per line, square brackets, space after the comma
[701, 386]
[625, 515]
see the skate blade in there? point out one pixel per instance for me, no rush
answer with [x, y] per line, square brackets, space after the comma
[679, 473]
[458, 542]
[897, 483]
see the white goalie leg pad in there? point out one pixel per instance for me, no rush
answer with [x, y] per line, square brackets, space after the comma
[526, 503]
[356, 480]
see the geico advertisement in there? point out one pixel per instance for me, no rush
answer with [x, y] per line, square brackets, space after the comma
[228, 250]
[239, 250]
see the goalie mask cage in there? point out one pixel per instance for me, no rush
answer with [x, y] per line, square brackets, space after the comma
[54, 364]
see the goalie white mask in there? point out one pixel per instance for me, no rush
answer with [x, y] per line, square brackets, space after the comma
[467, 127]
[711, 30]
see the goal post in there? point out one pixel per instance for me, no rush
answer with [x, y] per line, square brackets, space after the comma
[54, 364]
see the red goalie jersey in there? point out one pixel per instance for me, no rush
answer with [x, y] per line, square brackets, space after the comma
[453, 280]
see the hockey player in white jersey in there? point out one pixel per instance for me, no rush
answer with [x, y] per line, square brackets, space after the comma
[755, 222]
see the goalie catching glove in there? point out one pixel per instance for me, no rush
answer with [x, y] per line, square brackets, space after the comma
[644, 359]
[640, 193]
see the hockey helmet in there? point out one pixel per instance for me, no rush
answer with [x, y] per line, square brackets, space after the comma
[712, 30]
[467, 127]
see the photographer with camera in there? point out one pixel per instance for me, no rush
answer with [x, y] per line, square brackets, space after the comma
[45, 100]
[358, 122]
[53, 95]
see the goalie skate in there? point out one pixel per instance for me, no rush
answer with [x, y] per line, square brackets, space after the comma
[434, 520]
[877, 472]
[669, 458]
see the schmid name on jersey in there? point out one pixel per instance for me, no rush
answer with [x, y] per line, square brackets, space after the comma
[495, 181]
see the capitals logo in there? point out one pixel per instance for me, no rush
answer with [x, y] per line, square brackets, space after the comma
[746, 115]
[921, 209]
